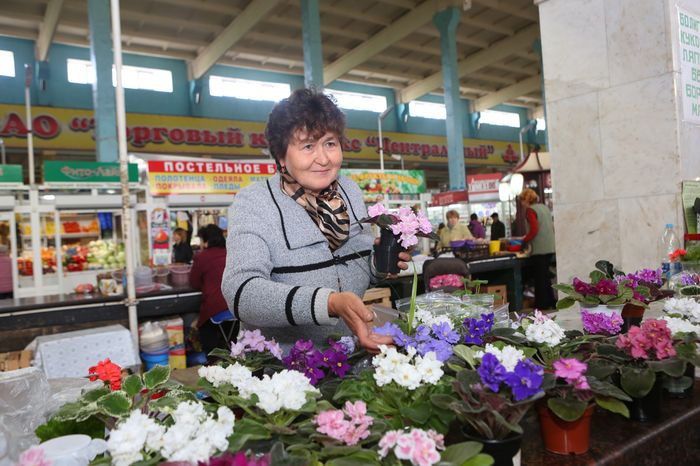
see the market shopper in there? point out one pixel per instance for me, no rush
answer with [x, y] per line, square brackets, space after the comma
[498, 228]
[207, 271]
[454, 231]
[476, 227]
[298, 259]
[182, 250]
[540, 236]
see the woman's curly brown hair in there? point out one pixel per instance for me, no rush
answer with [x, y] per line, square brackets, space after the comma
[305, 109]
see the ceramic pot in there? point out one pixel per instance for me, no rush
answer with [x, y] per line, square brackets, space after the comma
[505, 452]
[386, 253]
[565, 437]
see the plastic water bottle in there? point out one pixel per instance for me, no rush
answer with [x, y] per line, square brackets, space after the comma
[669, 243]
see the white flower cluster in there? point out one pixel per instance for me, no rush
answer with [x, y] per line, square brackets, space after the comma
[509, 356]
[687, 307]
[284, 390]
[421, 316]
[545, 332]
[194, 436]
[407, 370]
[678, 325]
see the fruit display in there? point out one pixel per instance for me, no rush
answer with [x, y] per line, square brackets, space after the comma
[75, 258]
[25, 264]
[84, 288]
[105, 255]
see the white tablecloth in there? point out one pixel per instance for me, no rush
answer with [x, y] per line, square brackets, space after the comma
[70, 354]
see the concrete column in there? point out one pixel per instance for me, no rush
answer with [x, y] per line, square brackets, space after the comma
[311, 38]
[446, 21]
[619, 145]
[102, 89]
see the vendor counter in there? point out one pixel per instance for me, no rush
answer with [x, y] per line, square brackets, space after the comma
[20, 315]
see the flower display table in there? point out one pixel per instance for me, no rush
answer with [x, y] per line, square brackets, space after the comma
[617, 441]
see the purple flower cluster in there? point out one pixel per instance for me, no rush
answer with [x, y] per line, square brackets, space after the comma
[438, 338]
[650, 276]
[525, 380]
[477, 328]
[688, 279]
[303, 357]
[601, 324]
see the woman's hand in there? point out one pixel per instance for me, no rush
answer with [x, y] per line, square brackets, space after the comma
[404, 259]
[349, 307]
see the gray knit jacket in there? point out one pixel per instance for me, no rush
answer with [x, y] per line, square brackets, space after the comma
[279, 269]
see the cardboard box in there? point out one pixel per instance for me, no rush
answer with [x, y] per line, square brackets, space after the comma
[15, 360]
[500, 292]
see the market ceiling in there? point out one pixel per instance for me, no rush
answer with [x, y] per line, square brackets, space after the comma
[495, 40]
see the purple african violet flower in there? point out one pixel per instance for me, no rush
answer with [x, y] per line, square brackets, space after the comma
[526, 380]
[605, 286]
[389, 329]
[442, 349]
[491, 372]
[653, 277]
[239, 459]
[600, 323]
[422, 333]
[444, 332]
[336, 361]
[688, 279]
[477, 328]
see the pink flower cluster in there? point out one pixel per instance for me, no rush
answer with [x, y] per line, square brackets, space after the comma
[254, 341]
[408, 225]
[650, 341]
[34, 457]
[573, 371]
[601, 324]
[349, 431]
[450, 279]
[419, 446]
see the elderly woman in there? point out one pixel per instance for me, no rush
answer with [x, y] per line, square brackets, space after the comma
[298, 260]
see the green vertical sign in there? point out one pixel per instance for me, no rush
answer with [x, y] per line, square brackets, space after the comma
[11, 174]
[86, 172]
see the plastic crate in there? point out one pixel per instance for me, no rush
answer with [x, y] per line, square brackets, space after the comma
[471, 252]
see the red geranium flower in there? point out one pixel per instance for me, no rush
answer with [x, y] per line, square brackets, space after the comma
[107, 371]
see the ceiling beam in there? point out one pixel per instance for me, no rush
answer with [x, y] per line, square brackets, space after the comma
[481, 59]
[254, 12]
[507, 93]
[506, 6]
[48, 29]
[380, 41]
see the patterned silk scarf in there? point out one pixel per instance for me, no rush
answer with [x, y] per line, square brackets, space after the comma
[327, 209]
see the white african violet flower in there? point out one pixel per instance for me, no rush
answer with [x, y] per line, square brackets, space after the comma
[133, 435]
[284, 390]
[677, 325]
[545, 332]
[407, 370]
[196, 435]
[509, 356]
[235, 374]
[686, 307]
[424, 317]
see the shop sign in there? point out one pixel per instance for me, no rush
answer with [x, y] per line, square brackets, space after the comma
[73, 129]
[483, 187]
[86, 172]
[387, 181]
[449, 197]
[11, 174]
[689, 55]
[204, 177]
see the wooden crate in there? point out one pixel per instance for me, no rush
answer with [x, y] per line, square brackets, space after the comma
[500, 292]
[15, 360]
[378, 295]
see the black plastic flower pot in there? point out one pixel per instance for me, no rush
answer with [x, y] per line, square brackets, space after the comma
[648, 408]
[502, 451]
[386, 253]
[676, 387]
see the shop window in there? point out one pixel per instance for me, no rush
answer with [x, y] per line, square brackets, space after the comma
[133, 77]
[498, 118]
[541, 124]
[418, 108]
[358, 101]
[220, 86]
[7, 63]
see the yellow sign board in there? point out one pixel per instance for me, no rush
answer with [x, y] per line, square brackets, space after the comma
[72, 129]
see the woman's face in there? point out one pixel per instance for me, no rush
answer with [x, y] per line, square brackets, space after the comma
[314, 163]
[452, 221]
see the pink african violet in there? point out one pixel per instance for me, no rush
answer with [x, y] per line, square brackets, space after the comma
[650, 341]
[254, 341]
[334, 424]
[33, 457]
[376, 210]
[570, 369]
[418, 446]
[451, 279]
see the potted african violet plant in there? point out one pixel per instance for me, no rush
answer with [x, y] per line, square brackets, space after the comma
[398, 232]
[493, 394]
